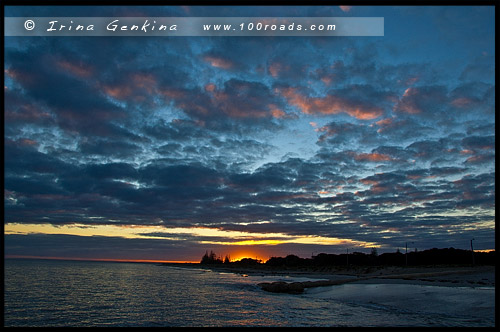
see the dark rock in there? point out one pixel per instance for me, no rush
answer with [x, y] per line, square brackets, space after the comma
[282, 287]
[298, 287]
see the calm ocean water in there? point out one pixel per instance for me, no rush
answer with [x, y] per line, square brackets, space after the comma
[77, 293]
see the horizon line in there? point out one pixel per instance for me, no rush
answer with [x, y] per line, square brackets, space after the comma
[117, 260]
[124, 260]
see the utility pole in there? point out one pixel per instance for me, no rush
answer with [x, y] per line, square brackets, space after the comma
[406, 252]
[472, 249]
[347, 257]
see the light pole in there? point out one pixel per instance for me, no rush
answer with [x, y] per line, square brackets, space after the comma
[406, 252]
[472, 249]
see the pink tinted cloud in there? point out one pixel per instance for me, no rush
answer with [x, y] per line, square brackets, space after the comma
[420, 100]
[26, 112]
[327, 80]
[20, 76]
[368, 181]
[27, 142]
[210, 87]
[144, 81]
[76, 69]
[136, 86]
[479, 158]
[172, 93]
[384, 122]
[462, 102]
[118, 92]
[218, 62]
[276, 112]
[412, 80]
[407, 104]
[330, 105]
[276, 68]
[372, 157]
[345, 9]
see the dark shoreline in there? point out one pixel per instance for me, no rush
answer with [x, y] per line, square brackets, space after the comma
[442, 275]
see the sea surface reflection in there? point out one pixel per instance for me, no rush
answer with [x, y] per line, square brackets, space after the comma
[77, 293]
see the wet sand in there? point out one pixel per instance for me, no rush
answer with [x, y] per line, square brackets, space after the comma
[461, 276]
[440, 296]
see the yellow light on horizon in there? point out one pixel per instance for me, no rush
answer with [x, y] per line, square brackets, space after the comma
[219, 237]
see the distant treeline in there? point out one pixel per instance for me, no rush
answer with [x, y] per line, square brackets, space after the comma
[445, 256]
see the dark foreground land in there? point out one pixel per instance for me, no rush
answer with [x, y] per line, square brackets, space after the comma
[451, 276]
[449, 267]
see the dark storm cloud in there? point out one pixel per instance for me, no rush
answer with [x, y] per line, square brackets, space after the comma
[234, 104]
[66, 97]
[20, 111]
[424, 100]
[479, 142]
[22, 157]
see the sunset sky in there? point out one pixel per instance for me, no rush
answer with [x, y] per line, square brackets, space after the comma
[161, 148]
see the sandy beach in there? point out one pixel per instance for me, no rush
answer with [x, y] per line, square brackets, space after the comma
[452, 276]
[439, 296]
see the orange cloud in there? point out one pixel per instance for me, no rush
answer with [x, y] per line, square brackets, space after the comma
[384, 122]
[20, 76]
[173, 93]
[276, 67]
[477, 159]
[144, 81]
[26, 141]
[218, 62]
[136, 84]
[461, 102]
[411, 80]
[372, 157]
[210, 87]
[80, 70]
[327, 80]
[276, 112]
[345, 9]
[26, 112]
[330, 105]
[407, 104]
[118, 92]
[368, 181]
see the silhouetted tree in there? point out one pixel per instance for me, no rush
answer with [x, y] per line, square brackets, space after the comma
[210, 258]
[248, 262]
[432, 256]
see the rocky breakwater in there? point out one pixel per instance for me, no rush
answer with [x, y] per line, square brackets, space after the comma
[298, 287]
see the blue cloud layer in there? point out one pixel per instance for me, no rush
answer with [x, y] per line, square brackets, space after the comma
[339, 137]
